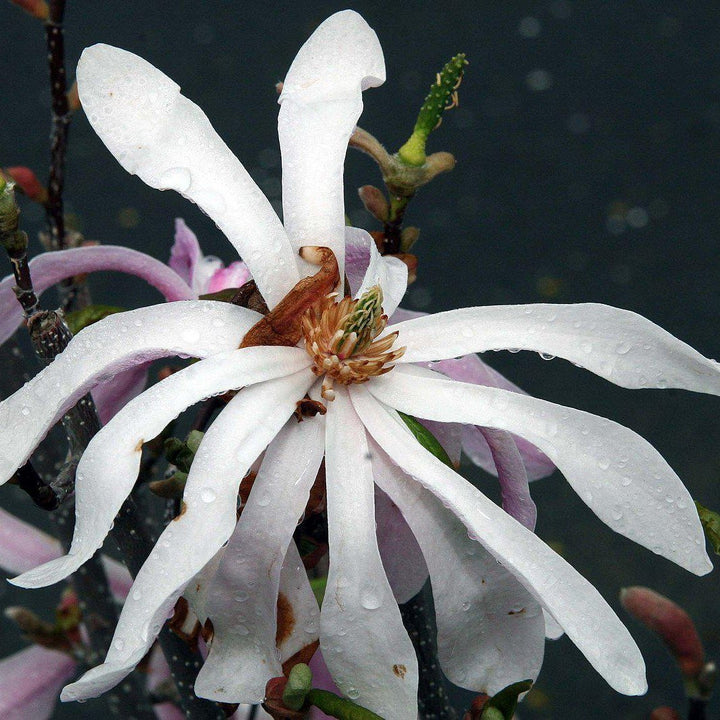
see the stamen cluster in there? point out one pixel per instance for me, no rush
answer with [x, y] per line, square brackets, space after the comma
[340, 337]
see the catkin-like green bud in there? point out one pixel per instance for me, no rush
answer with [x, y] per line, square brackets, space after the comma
[442, 97]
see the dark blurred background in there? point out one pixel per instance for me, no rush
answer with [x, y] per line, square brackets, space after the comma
[587, 139]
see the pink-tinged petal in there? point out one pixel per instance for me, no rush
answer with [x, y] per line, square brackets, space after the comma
[615, 344]
[389, 273]
[207, 267]
[320, 103]
[449, 435]
[30, 681]
[363, 641]
[357, 257]
[572, 600]
[112, 395]
[234, 275]
[323, 681]
[117, 343]
[618, 474]
[23, 546]
[401, 555]
[185, 252]
[164, 138]
[490, 630]
[118, 576]
[159, 672]
[512, 475]
[48, 269]
[108, 468]
[243, 598]
[237, 436]
[472, 369]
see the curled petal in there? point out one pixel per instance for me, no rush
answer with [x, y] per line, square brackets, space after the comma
[50, 268]
[185, 252]
[237, 436]
[30, 681]
[195, 328]
[320, 103]
[164, 138]
[512, 475]
[112, 395]
[109, 466]
[615, 344]
[234, 275]
[618, 474]
[362, 636]
[570, 599]
[490, 629]
[389, 273]
[247, 614]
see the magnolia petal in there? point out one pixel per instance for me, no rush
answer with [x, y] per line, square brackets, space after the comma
[491, 631]
[573, 601]
[109, 466]
[159, 672]
[185, 252]
[470, 368]
[112, 395]
[243, 602]
[118, 577]
[320, 103]
[618, 474]
[553, 629]
[615, 344]
[190, 328]
[449, 435]
[237, 436]
[163, 137]
[401, 555]
[23, 546]
[235, 275]
[198, 590]
[50, 268]
[512, 475]
[30, 681]
[363, 641]
[389, 273]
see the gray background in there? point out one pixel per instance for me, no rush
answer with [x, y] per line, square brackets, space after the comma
[587, 142]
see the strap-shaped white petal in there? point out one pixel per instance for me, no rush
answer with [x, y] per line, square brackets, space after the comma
[320, 102]
[109, 466]
[362, 636]
[490, 630]
[163, 137]
[50, 268]
[572, 600]
[615, 344]
[618, 474]
[237, 436]
[192, 328]
[243, 597]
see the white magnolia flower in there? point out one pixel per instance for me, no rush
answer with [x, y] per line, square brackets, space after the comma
[494, 581]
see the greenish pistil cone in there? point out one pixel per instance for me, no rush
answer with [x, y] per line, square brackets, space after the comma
[298, 685]
[361, 327]
[442, 96]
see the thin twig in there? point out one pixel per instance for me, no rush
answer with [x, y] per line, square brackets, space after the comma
[60, 123]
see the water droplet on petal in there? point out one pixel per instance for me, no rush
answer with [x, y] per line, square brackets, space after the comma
[207, 495]
[177, 178]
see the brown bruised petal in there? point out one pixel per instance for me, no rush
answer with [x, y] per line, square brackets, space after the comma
[671, 623]
[282, 325]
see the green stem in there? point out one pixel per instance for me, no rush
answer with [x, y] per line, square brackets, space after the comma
[338, 707]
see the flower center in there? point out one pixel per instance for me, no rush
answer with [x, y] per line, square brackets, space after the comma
[340, 337]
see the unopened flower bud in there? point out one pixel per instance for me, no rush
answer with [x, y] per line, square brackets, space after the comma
[27, 181]
[408, 237]
[37, 8]
[665, 713]
[671, 623]
[375, 202]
